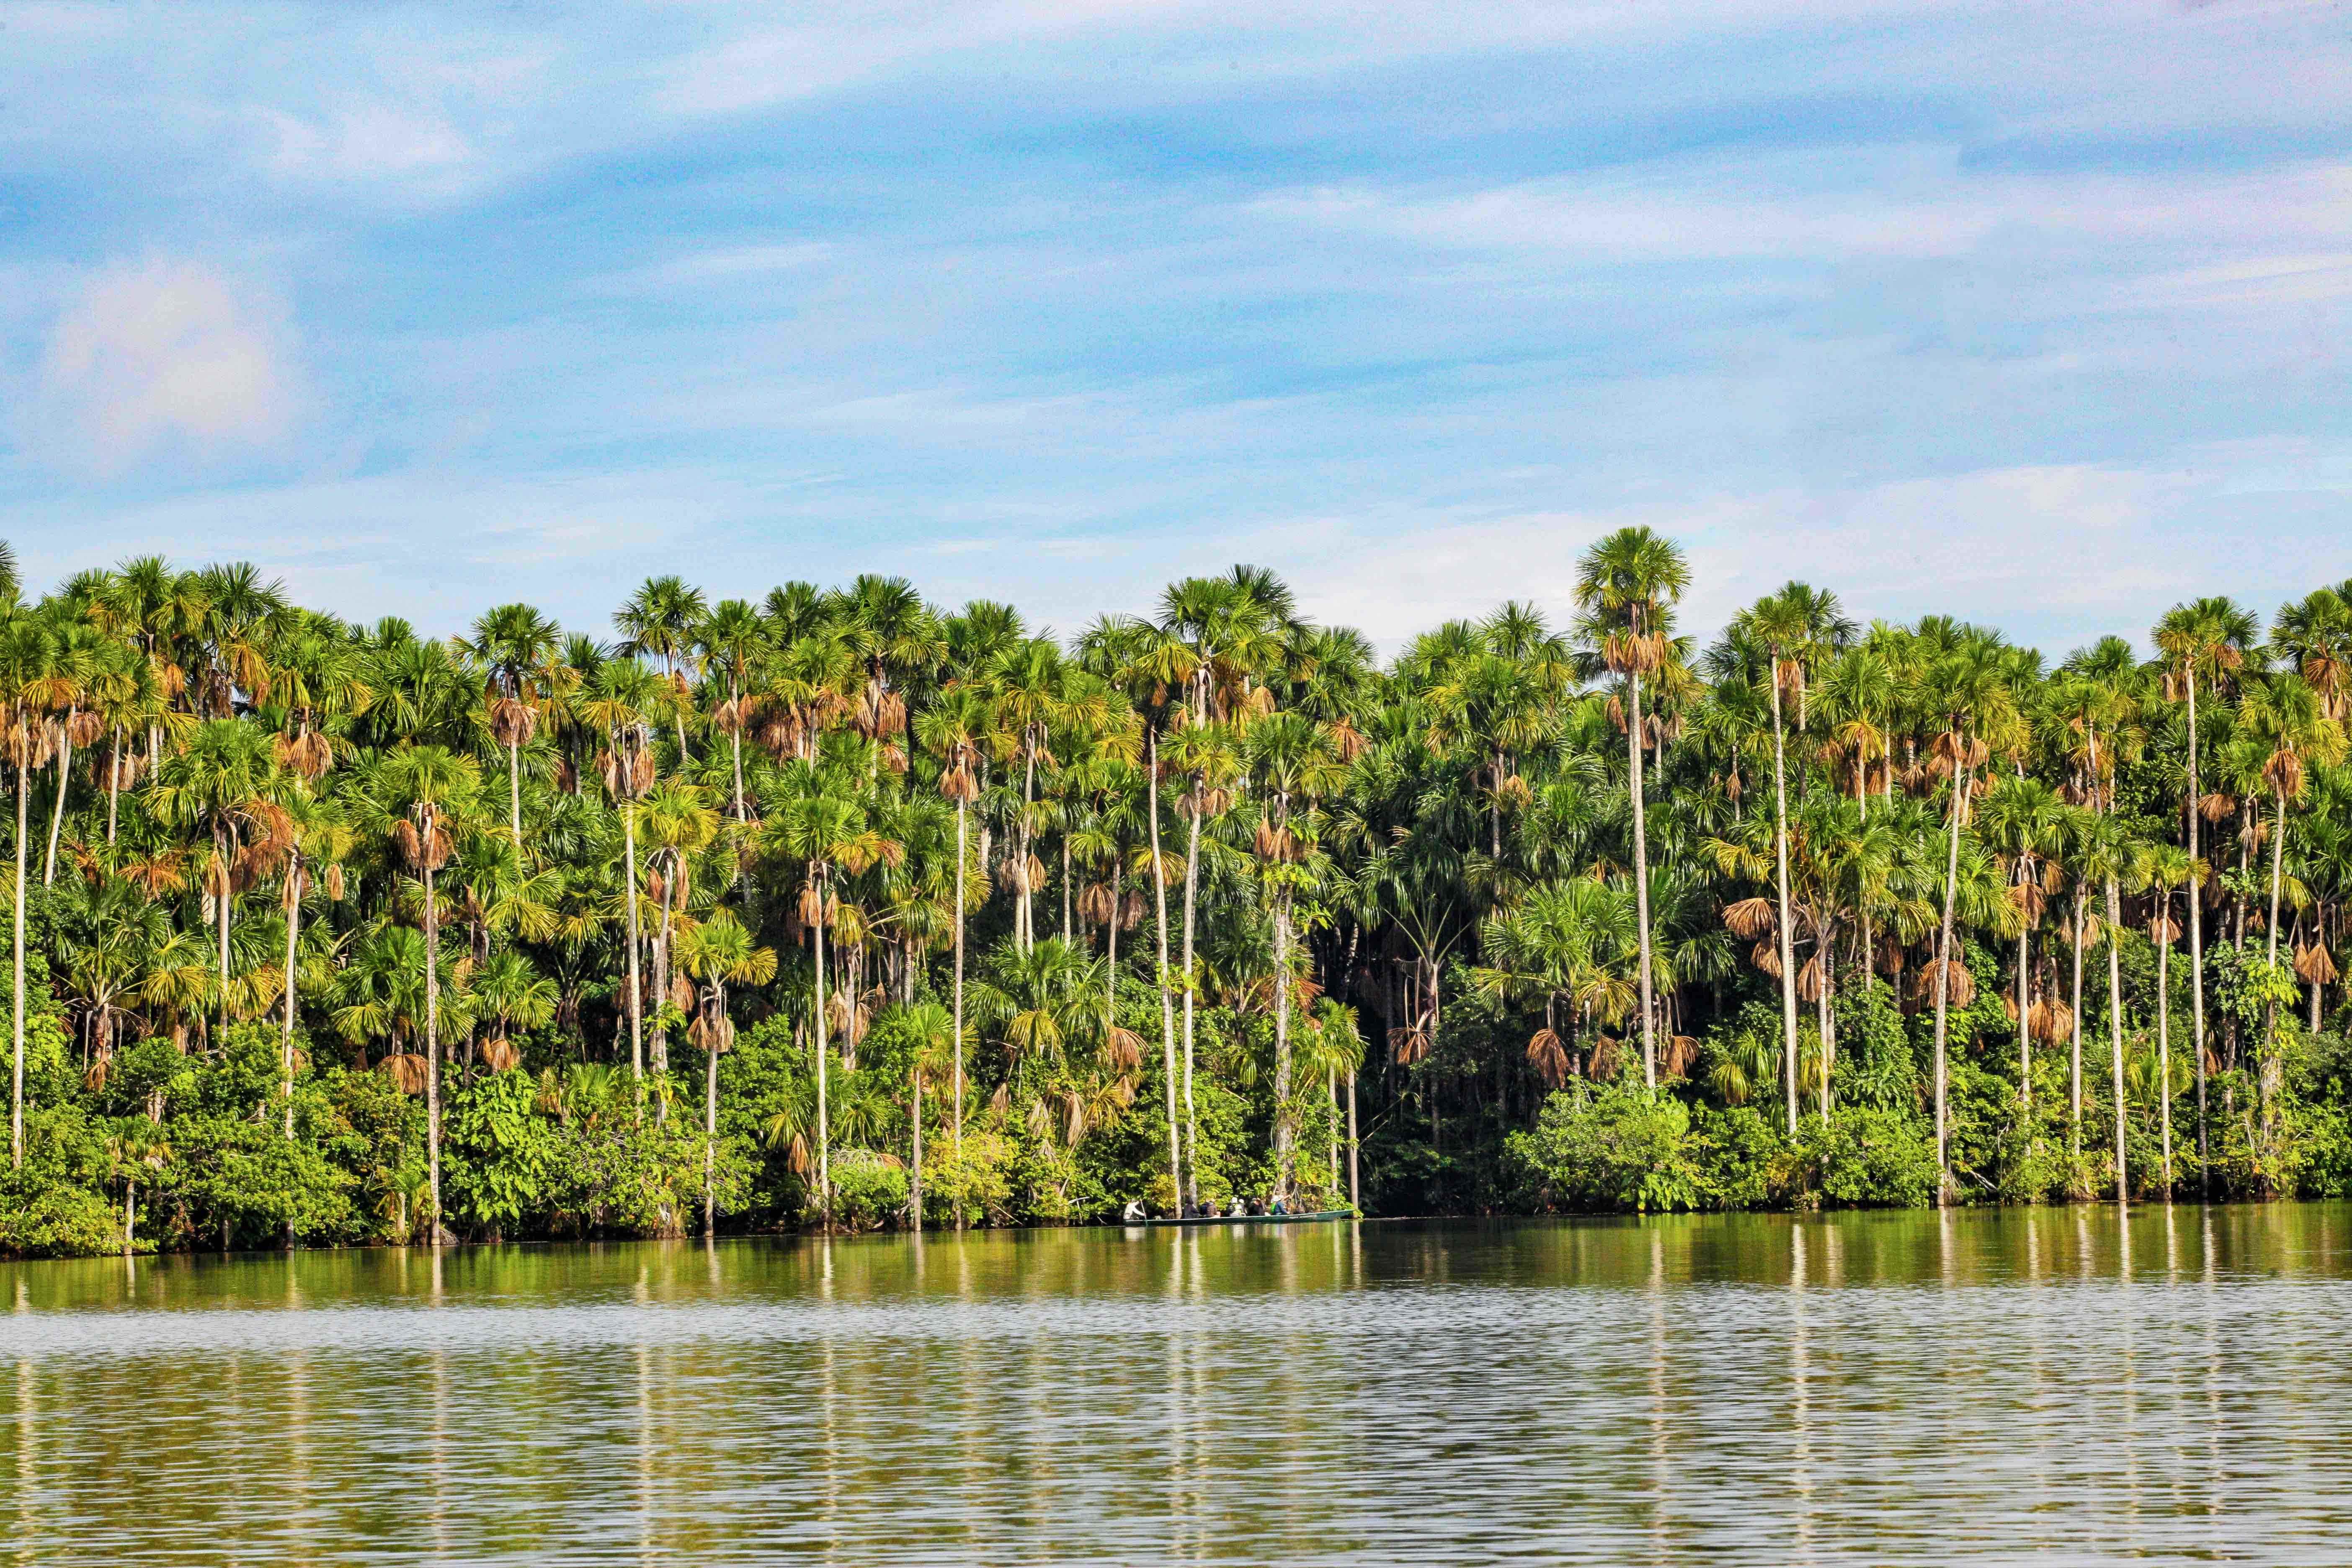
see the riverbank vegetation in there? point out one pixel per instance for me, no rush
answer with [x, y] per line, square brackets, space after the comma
[844, 908]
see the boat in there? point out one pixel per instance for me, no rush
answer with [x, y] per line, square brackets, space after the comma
[1320, 1215]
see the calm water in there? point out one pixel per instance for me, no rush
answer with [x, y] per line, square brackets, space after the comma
[1976, 1387]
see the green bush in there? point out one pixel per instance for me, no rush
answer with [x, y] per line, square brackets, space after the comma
[1620, 1146]
[41, 1216]
[869, 1189]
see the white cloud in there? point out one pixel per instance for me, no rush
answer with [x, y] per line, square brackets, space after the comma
[163, 358]
[371, 141]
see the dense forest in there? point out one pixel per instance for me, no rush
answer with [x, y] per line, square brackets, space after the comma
[844, 910]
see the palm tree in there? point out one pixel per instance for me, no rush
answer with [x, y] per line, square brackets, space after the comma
[1971, 699]
[729, 638]
[2167, 867]
[615, 703]
[1627, 587]
[720, 953]
[424, 795]
[515, 644]
[956, 729]
[2283, 719]
[1295, 764]
[223, 783]
[2203, 645]
[820, 827]
[1793, 629]
[928, 1032]
[659, 622]
[27, 686]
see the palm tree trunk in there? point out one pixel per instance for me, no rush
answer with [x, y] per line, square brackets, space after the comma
[514, 789]
[1025, 925]
[2075, 1079]
[1780, 885]
[659, 1040]
[1167, 1003]
[433, 1045]
[58, 811]
[915, 1180]
[113, 780]
[1354, 1199]
[1828, 1020]
[955, 1125]
[220, 853]
[1192, 1116]
[1285, 1134]
[2205, 1174]
[2115, 1029]
[824, 1128]
[1943, 985]
[710, 1118]
[637, 997]
[16, 971]
[2164, 1040]
[286, 1036]
[2024, 1010]
[2270, 1009]
[1642, 882]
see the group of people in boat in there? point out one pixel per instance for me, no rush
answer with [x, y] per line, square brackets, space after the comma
[1250, 1209]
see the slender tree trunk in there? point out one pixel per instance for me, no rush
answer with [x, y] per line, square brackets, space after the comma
[1355, 1197]
[286, 1037]
[637, 996]
[1642, 882]
[16, 971]
[915, 1179]
[2115, 1029]
[2270, 1009]
[1826, 1007]
[735, 743]
[1191, 889]
[658, 1037]
[1944, 984]
[1286, 1133]
[432, 1043]
[113, 782]
[824, 1127]
[514, 789]
[710, 1118]
[1780, 885]
[1167, 1002]
[2025, 1009]
[955, 1123]
[2075, 1079]
[227, 896]
[58, 811]
[1025, 926]
[2164, 1040]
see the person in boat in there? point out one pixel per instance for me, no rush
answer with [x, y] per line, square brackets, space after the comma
[1240, 1209]
[1134, 1211]
[1279, 1205]
[1256, 1207]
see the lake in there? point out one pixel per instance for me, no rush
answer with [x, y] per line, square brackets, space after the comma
[1978, 1386]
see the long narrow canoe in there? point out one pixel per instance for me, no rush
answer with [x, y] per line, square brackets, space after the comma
[1320, 1215]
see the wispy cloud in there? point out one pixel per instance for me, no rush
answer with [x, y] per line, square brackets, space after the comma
[163, 357]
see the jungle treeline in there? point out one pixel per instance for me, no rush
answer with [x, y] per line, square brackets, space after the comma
[842, 908]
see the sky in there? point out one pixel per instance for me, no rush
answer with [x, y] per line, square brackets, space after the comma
[2034, 314]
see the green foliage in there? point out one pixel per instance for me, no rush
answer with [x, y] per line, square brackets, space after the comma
[1617, 1147]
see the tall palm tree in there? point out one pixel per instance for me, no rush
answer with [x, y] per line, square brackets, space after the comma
[424, 795]
[2283, 720]
[659, 622]
[223, 783]
[730, 639]
[820, 827]
[1627, 587]
[719, 951]
[515, 645]
[2167, 867]
[1295, 764]
[2203, 645]
[956, 728]
[616, 705]
[1793, 631]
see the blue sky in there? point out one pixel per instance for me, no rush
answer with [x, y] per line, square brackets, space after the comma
[2036, 314]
